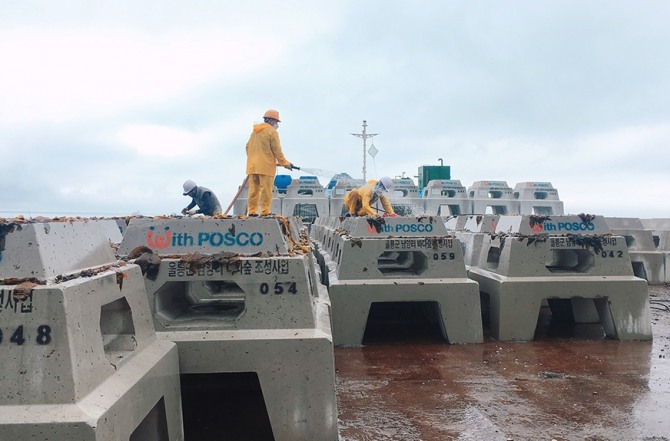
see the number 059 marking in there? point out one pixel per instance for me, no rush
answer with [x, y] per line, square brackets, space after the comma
[279, 288]
[444, 256]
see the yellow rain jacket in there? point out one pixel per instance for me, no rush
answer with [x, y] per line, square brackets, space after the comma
[359, 201]
[264, 151]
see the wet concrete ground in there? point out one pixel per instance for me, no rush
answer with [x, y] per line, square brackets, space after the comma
[571, 383]
[408, 384]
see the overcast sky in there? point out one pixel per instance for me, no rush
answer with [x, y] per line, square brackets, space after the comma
[107, 107]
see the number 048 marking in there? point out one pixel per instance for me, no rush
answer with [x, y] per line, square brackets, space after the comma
[279, 288]
[43, 336]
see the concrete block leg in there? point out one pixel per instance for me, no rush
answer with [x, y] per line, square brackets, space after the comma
[513, 317]
[140, 385]
[350, 316]
[603, 307]
[461, 317]
[304, 397]
[625, 316]
[295, 369]
[584, 311]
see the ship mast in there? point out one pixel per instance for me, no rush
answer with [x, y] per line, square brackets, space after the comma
[365, 136]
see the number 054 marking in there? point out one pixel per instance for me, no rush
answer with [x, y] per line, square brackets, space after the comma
[18, 337]
[279, 288]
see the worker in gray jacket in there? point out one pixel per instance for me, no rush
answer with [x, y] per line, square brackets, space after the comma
[203, 197]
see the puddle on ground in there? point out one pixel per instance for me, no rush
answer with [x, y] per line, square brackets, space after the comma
[571, 383]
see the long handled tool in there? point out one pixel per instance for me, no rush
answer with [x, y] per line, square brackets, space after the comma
[244, 184]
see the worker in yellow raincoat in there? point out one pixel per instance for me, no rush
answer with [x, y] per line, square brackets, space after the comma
[264, 153]
[359, 201]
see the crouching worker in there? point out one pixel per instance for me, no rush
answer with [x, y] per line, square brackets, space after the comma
[207, 202]
[359, 201]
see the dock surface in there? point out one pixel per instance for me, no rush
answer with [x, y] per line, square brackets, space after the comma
[571, 383]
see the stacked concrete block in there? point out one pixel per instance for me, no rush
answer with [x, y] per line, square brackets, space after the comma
[648, 261]
[404, 198]
[403, 259]
[305, 198]
[81, 360]
[454, 223]
[492, 197]
[538, 198]
[325, 232]
[660, 229]
[656, 224]
[111, 229]
[471, 231]
[530, 259]
[44, 250]
[324, 235]
[238, 295]
[444, 197]
[122, 224]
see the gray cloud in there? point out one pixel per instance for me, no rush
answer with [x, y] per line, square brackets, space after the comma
[569, 92]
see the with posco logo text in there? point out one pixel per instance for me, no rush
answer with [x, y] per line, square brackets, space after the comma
[563, 226]
[204, 238]
[402, 228]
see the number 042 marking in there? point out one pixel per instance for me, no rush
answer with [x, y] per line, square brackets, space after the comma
[43, 336]
[279, 288]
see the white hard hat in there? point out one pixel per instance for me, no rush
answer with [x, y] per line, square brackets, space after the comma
[387, 183]
[188, 186]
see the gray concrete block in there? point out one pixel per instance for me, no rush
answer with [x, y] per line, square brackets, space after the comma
[45, 250]
[81, 360]
[247, 312]
[519, 271]
[407, 259]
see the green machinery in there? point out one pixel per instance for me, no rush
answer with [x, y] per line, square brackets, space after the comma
[428, 173]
